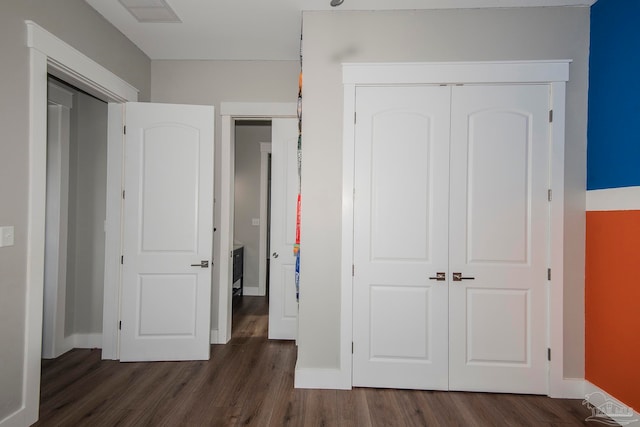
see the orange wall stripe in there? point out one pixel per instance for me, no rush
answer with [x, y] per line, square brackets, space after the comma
[612, 304]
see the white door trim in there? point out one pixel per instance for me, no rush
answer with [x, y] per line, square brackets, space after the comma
[230, 111]
[554, 72]
[47, 53]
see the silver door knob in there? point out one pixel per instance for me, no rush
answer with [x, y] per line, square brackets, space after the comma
[275, 255]
[203, 264]
[440, 277]
[457, 277]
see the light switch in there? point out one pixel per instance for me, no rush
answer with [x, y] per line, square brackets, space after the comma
[6, 236]
[255, 221]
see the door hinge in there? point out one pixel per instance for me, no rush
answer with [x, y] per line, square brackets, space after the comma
[549, 194]
[120, 325]
[121, 259]
[123, 194]
[550, 116]
[548, 274]
[353, 270]
[549, 354]
[354, 118]
[351, 347]
[124, 129]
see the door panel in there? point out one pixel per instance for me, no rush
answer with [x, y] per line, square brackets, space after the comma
[169, 201]
[498, 235]
[168, 232]
[283, 306]
[501, 196]
[496, 336]
[400, 237]
[400, 336]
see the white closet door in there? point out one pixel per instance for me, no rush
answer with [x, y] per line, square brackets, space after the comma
[498, 234]
[400, 237]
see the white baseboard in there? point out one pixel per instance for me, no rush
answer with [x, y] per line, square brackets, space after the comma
[93, 340]
[567, 388]
[214, 337]
[333, 379]
[17, 419]
[608, 404]
[252, 291]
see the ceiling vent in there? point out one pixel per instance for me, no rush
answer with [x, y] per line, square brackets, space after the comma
[151, 11]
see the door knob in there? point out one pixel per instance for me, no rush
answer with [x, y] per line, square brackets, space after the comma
[203, 264]
[275, 255]
[440, 277]
[457, 277]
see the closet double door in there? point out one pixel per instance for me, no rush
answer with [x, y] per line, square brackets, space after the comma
[450, 238]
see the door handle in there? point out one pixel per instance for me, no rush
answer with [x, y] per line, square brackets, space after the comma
[440, 277]
[203, 264]
[457, 277]
[275, 255]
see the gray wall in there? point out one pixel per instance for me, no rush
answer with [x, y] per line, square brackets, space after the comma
[213, 82]
[249, 135]
[87, 213]
[331, 38]
[79, 25]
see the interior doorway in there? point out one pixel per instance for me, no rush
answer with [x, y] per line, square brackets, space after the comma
[251, 204]
[264, 228]
[75, 216]
[231, 113]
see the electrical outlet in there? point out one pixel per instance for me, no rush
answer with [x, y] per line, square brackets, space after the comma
[255, 221]
[6, 236]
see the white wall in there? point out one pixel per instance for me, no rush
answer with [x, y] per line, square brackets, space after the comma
[79, 25]
[91, 187]
[213, 82]
[330, 38]
[87, 209]
[249, 135]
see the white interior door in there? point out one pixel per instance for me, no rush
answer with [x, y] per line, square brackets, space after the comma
[283, 306]
[400, 237]
[168, 232]
[498, 234]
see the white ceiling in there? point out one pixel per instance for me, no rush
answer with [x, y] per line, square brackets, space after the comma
[257, 29]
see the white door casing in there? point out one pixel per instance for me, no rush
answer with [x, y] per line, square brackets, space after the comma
[499, 215]
[168, 232]
[400, 237]
[50, 55]
[283, 306]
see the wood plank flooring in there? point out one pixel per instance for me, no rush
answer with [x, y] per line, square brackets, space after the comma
[249, 382]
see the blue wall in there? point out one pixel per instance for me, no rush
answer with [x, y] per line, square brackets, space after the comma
[613, 148]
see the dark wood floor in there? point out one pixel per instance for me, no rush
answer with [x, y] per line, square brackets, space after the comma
[250, 382]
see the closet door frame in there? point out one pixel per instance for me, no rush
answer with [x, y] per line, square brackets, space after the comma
[553, 72]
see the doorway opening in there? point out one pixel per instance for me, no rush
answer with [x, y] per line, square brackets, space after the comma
[251, 202]
[251, 225]
[75, 216]
[232, 114]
